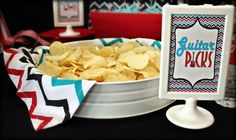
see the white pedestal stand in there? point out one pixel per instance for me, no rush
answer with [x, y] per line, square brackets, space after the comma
[190, 115]
[69, 32]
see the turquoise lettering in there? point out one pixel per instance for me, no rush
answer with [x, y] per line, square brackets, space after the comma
[197, 45]
[182, 44]
[212, 46]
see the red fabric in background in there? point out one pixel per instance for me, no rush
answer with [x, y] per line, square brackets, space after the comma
[233, 52]
[128, 25]
[4, 31]
[53, 34]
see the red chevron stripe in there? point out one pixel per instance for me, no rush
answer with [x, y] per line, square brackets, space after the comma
[192, 90]
[13, 53]
[221, 27]
[14, 71]
[32, 95]
[213, 20]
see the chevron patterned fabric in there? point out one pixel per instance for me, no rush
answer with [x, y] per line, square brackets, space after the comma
[128, 6]
[50, 100]
[150, 6]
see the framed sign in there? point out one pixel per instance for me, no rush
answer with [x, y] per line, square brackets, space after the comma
[68, 12]
[196, 46]
[194, 59]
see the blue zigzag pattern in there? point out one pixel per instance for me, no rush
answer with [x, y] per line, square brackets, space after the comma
[157, 44]
[77, 83]
[109, 43]
[195, 16]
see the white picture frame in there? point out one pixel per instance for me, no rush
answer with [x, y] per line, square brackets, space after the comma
[176, 75]
[68, 12]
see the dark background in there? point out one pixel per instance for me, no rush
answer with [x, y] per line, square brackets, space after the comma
[32, 14]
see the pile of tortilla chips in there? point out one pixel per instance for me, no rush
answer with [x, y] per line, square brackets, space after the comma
[120, 62]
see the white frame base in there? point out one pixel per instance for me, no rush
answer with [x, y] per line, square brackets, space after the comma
[190, 115]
